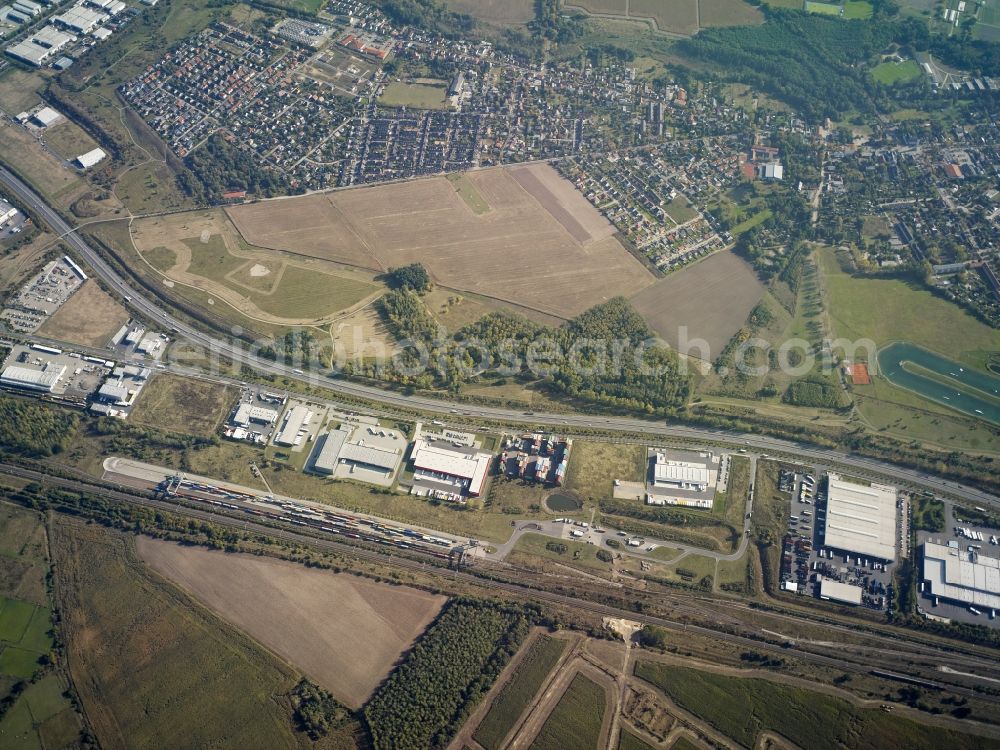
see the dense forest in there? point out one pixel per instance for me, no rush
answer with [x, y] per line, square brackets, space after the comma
[32, 429]
[606, 355]
[429, 696]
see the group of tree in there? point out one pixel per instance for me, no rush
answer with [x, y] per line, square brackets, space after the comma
[413, 277]
[817, 391]
[429, 696]
[316, 711]
[32, 429]
[606, 355]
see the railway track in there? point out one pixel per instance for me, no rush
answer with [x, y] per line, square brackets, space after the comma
[847, 661]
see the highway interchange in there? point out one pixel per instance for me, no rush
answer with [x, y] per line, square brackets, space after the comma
[764, 445]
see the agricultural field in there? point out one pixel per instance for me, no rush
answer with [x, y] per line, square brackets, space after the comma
[41, 716]
[203, 251]
[150, 663]
[677, 16]
[89, 318]
[499, 13]
[743, 708]
[534, 214]
[183, 405]
[19, 90]
[345, 633]
[535, 665]
[576, 720]
[415, 95]
[728, 13]
[709, 300]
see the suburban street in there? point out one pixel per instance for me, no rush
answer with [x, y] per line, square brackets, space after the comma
[762, 445]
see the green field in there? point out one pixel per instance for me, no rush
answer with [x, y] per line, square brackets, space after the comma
[746, 225]
[630, 741]
[468, 193]
[151, 664]
[742, 708]
[595, 466]
[858, 9]
[680, 210]
[576, 720]
[183, 405]
[887, 310]
[894, 72]
[826, 9]
[531, 672]
[416, 95]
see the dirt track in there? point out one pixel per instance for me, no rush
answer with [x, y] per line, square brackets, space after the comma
[344, 632]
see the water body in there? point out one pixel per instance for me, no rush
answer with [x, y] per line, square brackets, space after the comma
[941, 380]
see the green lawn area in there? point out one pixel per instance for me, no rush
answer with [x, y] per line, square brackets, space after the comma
[542, 655]
[742, 708]
[894, 72]
[748, 224]
[14, 618]
[468, 193]
[680, 210]
[887, 310]
[577, 554]
[858, 9]
[308, 294]
[416, 95]
[576, 721]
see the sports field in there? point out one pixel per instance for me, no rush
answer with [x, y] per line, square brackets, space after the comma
[540, 245]
[709, 301]
[203, 251]
[894, 72]
[495, 12]
[89, 318]
[345, 632]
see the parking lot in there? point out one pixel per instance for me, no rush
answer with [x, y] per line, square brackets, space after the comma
[805, 561]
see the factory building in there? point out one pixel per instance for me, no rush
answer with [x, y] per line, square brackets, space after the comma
[246, 413]
[835, 591]
[43, 380]
[683, 478]
[7, 212]
[40, 46]
[448, 471]
[89, 159]
[861, 519]
[291, 428]
[79, 19]
[45, 117]
[336, 451]
[964, 577]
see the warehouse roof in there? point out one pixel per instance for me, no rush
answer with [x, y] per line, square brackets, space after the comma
[445, 459]
[295, 418]
[46, 116]
[90, 158]
[962, 577]
[380, 458]
[37, 380]
[329, 453]
[861, 519]
[839, 592]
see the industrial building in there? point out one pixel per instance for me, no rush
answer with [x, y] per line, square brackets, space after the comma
[683, 478]
[295, 420]
[965, 577]
[46, 116]
[861, 519]
[89, 159]
[336, 452]
[80, 19]
[835, 591]
[247, 414]
[7, 212]
[40, 46]
[447, 471]
[43, 380]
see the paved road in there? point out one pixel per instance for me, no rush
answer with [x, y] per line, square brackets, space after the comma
[328, 380]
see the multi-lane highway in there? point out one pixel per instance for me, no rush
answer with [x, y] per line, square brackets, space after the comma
[567, 422]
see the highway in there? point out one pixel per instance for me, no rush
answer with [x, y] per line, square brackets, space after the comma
[329, 381]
